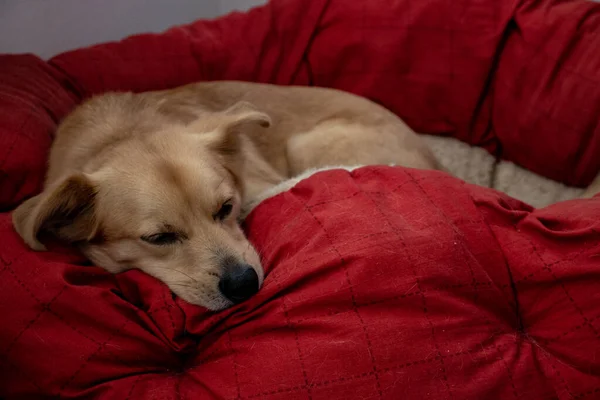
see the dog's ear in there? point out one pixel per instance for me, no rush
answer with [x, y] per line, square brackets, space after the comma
[66, 211]
[239, 118]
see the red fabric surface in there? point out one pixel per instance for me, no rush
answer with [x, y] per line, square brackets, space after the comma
[33, 98]
[385, 283]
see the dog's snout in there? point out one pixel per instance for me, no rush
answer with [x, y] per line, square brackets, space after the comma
[239, 282]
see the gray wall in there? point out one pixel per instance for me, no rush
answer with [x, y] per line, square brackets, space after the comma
[48, 27]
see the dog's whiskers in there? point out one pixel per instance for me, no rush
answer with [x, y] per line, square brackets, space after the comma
[223, 180]
[181, 272]
[183, 285]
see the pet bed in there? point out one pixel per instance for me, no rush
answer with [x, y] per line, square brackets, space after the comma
[382, 282]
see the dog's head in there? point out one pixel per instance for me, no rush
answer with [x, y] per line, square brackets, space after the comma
[166, 203]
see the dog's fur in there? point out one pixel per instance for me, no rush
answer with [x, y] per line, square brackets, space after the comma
[125, 167]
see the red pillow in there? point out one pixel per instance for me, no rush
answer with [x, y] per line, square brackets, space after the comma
[378, 284]
[33, 98]
[386, 282]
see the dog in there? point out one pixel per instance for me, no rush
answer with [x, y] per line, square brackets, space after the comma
[158, 181]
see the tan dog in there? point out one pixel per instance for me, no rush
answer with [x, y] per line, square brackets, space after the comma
[157, 180]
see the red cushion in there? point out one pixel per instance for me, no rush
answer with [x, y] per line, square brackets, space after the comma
[378, 282]
[33, 98]
[386, 282]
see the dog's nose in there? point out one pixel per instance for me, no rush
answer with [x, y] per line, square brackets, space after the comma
[239, 282]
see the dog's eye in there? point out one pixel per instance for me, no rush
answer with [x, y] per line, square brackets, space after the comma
[161, 239]
[224, 211]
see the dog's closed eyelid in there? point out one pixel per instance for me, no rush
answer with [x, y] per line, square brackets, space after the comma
[162, 238]
[224, 210]
[164, 235]
[172, 228]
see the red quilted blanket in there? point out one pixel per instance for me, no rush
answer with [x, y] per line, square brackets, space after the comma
[382, 283]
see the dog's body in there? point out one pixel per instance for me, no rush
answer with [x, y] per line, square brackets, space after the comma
[157, 180]
[309, 128]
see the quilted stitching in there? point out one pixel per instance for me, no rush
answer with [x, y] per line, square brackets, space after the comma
[317, 334]
[384, 283]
